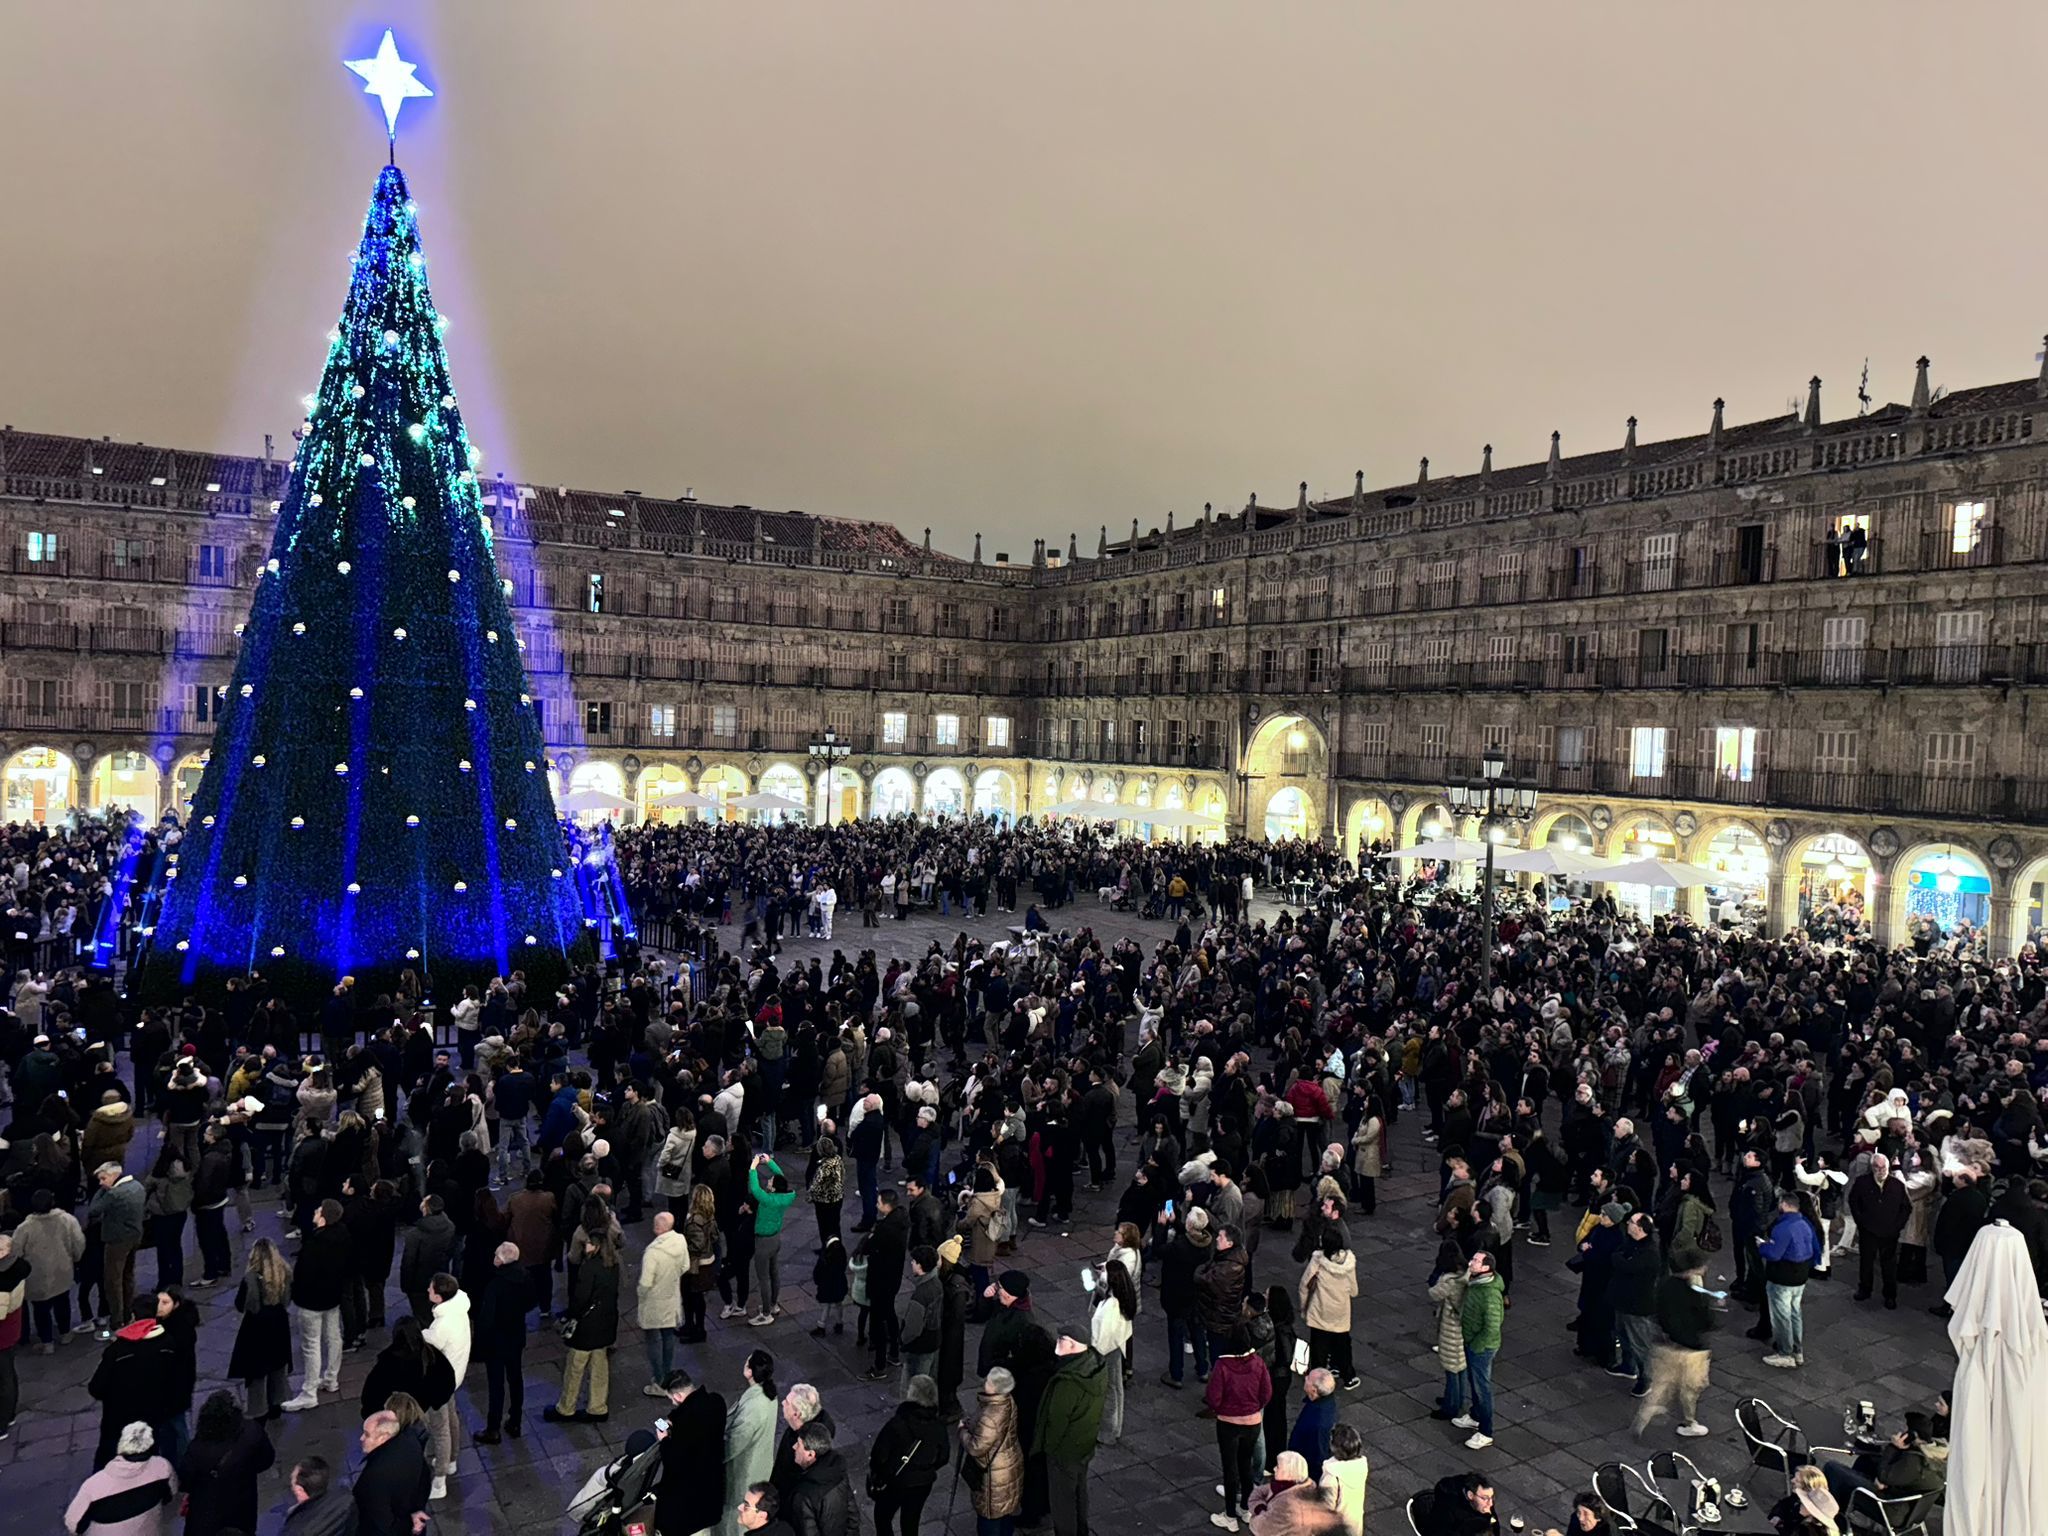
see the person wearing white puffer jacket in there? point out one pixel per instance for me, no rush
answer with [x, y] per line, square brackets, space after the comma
[448, 1332]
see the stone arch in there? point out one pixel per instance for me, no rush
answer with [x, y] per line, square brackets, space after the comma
[995, 794]
[1904, 898]
[945, 793]
[1423, 812]
[2029, 901]
[846, 797]
[894, 793]
[38, 784]
[1825, 868]
[127, 781]
[1565, 825]
[184, 782]
[1368, 820]
[656, 780]
[1664, 844]
[1737, 850]
[1286, 750]
[723, 783]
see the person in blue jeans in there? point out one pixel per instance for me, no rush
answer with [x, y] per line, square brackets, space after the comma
[1480, 1316]
[1184, 1252]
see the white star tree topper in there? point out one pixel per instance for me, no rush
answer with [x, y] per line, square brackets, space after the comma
[391, 80]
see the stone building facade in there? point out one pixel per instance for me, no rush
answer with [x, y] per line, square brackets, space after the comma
[1802, 653]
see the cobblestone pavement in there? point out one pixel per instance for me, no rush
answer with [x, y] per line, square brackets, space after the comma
[1557, 1416]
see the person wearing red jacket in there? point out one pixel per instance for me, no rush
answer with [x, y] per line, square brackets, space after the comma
[1240, 1386]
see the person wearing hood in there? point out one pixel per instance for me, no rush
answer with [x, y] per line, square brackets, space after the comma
[128, 1494]
[1328, 1283]
[1068, 1421]
[449, 1332]
[108, 1132]
[823, 1502]
[909, 1453]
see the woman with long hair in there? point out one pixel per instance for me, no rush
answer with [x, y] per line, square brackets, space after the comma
[411, 1367]
[750, 1433]
[700, 1231]
[1109, 1331]
[220, 1468]
[592, 1329]
[262, 1355]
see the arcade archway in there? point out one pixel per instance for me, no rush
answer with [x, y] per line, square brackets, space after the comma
[127, 781]
[185, 783]
[1945, 884]
[657, 781]
[725, 784]
[1287, 815]
[1831, 882]
[1743, 864]
[895, 793]
[39, 784]
[1287, 752]
[786, 780]
[843, 801]
[1369, 821]
[945, 793]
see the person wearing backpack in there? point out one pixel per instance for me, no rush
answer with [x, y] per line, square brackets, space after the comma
[1695, 1233]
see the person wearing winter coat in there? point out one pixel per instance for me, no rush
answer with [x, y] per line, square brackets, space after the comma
[449, 1332]
[1328, 1283]
[51, 1242]
[672, 1165]
[1066, 1428]
[1788, 1253]
[823, 1502]
[1881, 1207]
[262, 1355]
[498, 1338]
[127, 1495]
[392, 1485]
[1240, 1386]
[989, 1440]
[108, 1132]
[750, 1424]
[1344, 1478]
[221, 1467]
[1479, 1317]
[909, 1453]
[409, 1365]
[593, 1330]
[658, 1297]
[136, 1378]
[1221, 1283]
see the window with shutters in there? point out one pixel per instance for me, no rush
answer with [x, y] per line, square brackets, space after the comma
[1436, 650]
[1965, 525]
[1646, 751]
[1312, 665]
[1105, 738]
[949, 672]
[1434, 739]
[785, 721]
[42, 548]
[949, 618]
[899, 668]
[1951, 754]
[1735, 753]
[593, 592]
[1841, 648]
[1440, 582]
[1176, 672]
[1379, 656]
[1372, 738]
[130, 703]
[661, 599]
[1500, 653]
[661, 721]
[1496, 739]
[1269, 668]
[946, 730]
[995, 731]
[1183, 609]
[1573, 746]
[1215, 669]
[597, 717]
[1660, 562]
[895, 727]
[1576, 654]
[1176, 739]
[1835, 751]
[213, 561]
[1959, 645]
[1653, 651]
[1137, 737]
[1073, 738]
[896, 612]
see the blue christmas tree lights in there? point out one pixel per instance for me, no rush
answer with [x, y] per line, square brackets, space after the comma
[377, 795]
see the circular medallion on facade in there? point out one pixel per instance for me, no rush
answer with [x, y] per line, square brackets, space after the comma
[918, 770]
[562, 762]
[971, 772]
[1778, 832]
[631, 765]
[1884, 842]
[1397, 801]
[83, 751]
[1601, 817]
[1685, 823]
[2004, 853]
[165, 753]
[1118, 780]
[695, 765]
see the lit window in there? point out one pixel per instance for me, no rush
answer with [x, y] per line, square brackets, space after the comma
[661, 720]
[995, 731]
[946, 730]
[895, 726]
[1966, 526]
[594, 590]
[1735, 753]
[1646, 751]
[725, 720]
[42, 548]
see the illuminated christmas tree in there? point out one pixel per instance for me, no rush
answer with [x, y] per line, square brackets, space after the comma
[376, 796]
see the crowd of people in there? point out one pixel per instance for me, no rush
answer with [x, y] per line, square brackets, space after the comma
[653, 1142]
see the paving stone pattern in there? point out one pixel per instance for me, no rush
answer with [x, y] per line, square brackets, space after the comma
[1557, 1416]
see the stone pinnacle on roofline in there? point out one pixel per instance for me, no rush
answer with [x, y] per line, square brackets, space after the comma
[1813, 403]
[1920, 396]
[1628, 444]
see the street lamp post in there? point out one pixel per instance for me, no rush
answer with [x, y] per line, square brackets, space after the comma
[827, 752]
[1499, 803]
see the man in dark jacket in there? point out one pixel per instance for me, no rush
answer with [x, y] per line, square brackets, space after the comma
[432, 1247]
[391, 1488]
[1220, 1285]
[929, 1222]
[919, 1323]
[1963, 1214]
[909, 1453]
[1095, 1124]
[1678, 1365]
[1750, 1209]
[1882, 1208]
[691, 1495]
[1186, 1252]
[1462, 1505]
[1636, 1267]
[823, 1503]
[135, 1381]
[886, 1246]
[1010, 1322]
[318, 1507]
[498, 1338]
[325, 1269]
[1069, 1417]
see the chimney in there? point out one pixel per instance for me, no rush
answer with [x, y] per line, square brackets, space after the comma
[1628, 444]
[1920, 387]
[1813, 403]
[1486, 463]
[1551, 468]
[1422, 471]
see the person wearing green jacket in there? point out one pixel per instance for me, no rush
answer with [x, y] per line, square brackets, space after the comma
[1479, 1316]
[1069, 1418]
[771, 1201]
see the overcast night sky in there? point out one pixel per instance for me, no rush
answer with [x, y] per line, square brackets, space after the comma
[1026, 268]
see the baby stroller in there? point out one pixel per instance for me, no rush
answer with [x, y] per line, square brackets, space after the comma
[618, 1500]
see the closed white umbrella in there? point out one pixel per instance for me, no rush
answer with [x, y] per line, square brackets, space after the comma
[1667, 872]
[1456, 850]
[1998, 1433]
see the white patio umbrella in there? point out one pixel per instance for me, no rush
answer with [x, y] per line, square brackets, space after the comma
[1549, 861]
[1456, 850]
[1096, 810]
[1998, 1435]
[1657, 872]
[681, 799]
[763, 801]
[1177, 816]
[579, 802]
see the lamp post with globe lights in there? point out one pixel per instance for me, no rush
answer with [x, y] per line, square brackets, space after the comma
[1501, 804]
